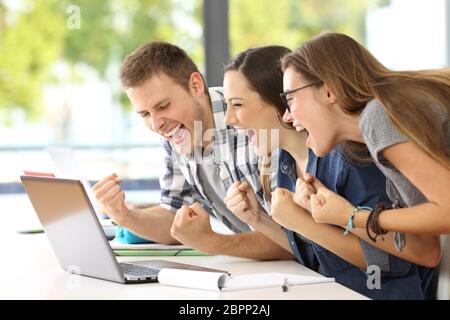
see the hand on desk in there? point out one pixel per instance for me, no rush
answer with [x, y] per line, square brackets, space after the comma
[191, 227]
[109, 194]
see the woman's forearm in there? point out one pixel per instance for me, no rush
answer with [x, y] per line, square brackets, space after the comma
[273, 231]
[333, 239]
[419, 249]
[427, 218]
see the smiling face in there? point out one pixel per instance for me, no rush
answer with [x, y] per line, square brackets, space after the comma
[311, 109]
[169, 109]
[247, 111]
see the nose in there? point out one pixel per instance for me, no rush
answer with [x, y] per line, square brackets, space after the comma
[230, 118]
[287, 117]
[156, 123]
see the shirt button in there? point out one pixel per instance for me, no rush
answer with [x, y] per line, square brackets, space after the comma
[292, 242]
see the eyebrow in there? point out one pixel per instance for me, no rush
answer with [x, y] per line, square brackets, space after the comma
[154, 106]
[160, 103]
[234, 98]
[141, 112]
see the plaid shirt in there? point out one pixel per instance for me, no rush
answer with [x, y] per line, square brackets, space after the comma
[180, 184]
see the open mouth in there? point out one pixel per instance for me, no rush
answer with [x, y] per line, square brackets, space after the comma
[251, 134]
[299, 127]
[177, 134]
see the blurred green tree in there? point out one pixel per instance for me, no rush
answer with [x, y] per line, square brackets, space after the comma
[289, 22]
[31, 38]
[34, 35]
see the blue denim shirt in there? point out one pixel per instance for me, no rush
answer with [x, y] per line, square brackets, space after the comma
[360, 185]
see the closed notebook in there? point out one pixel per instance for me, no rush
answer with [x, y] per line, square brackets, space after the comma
[116, 245]
[158, 252]
[222, 281]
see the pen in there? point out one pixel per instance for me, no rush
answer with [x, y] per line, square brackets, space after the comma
[284, 287]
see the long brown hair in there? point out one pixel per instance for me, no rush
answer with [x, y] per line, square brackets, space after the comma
[262, 69]
[355, 76]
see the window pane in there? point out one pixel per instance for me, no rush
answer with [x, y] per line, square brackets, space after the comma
[289, 22]
[59, 84]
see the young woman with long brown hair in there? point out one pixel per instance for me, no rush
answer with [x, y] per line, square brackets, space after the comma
[400, 117]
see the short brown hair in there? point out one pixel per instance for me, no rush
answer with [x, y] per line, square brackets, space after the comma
[155, 57]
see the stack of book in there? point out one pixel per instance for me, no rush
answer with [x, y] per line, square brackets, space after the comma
[153, 249]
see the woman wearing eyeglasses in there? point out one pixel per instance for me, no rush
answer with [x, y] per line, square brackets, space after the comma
[400, 117]
[253, 82]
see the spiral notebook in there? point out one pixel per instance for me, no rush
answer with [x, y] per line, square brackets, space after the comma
[222, 281]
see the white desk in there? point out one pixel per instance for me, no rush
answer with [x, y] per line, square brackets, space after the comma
[30, 270]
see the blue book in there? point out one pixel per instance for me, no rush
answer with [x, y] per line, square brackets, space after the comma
[126, 236]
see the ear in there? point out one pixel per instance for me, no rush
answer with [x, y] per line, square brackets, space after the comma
[196, 84]
[328, 95]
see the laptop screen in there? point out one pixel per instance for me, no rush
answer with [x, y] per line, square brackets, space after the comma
[72, 226]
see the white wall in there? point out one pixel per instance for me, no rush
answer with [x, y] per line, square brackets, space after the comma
[410, 34]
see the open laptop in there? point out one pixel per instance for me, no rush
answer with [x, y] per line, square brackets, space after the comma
[77, 238]
[66, 166]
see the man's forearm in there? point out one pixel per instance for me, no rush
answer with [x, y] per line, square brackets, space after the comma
[251, 245]
[151, 223]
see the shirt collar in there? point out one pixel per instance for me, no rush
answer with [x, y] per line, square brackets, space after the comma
[219, 109]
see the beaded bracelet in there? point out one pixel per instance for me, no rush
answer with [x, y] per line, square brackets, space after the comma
[372, 223]
[350, 224]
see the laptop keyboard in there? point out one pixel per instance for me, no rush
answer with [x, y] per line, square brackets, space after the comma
[138, 271]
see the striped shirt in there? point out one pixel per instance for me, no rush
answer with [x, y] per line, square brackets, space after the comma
[234, 159]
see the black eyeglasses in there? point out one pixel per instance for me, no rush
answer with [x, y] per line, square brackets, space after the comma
[284, 95]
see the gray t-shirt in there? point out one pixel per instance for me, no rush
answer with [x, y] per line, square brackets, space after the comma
[379, 133]
[215, 191]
